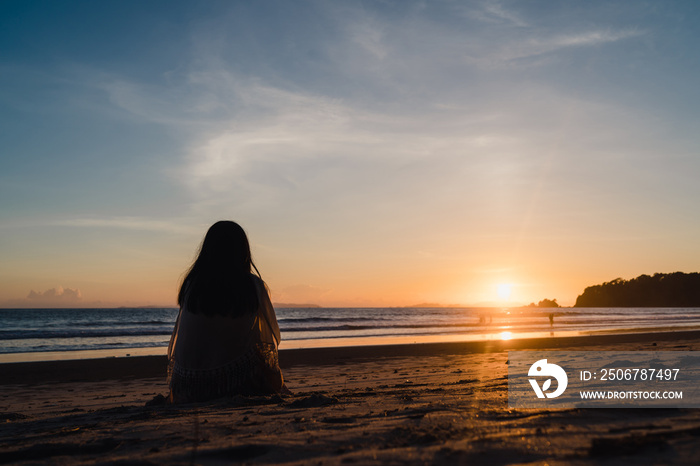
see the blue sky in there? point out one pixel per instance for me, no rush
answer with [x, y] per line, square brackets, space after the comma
[382, 153]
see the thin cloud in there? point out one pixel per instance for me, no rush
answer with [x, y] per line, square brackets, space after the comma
[370, 37]
[495, 12]
[535, 49]
[58, 297]
[164, 105]
[131, 223]
[55, 296]
[299, 143]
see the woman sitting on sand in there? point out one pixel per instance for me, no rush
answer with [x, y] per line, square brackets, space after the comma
[226, 334]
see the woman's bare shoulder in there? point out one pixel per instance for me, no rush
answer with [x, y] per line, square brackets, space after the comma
[259, 283]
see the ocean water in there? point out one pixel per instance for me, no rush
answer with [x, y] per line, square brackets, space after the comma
[61, 330]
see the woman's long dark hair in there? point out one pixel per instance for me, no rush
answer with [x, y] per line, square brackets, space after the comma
[221, 280]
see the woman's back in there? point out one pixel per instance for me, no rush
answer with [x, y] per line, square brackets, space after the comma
[221, 350]
[205, 341]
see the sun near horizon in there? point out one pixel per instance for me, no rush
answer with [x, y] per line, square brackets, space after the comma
[504, 291]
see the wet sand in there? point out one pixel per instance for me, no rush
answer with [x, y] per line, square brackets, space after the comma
[443, 403]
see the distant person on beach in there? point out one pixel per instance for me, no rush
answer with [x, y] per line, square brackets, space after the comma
[551, 319]
[226, 334]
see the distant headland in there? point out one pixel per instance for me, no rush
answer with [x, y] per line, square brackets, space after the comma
[660, 290]
[429, 305]
[545, 303]
[295, 305]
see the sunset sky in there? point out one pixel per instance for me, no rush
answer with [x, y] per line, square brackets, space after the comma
[377, 153]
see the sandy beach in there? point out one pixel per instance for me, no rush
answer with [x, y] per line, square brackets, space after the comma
[441, 403]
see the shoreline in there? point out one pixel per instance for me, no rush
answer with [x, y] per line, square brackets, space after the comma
[341, 342]
[154, 366]
[436, 403]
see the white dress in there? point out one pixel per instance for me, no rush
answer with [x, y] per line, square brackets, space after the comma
[215, 356]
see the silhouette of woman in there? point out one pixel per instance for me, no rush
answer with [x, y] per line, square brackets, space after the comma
[226, 335]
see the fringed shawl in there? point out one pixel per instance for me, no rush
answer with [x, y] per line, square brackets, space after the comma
[215, 356]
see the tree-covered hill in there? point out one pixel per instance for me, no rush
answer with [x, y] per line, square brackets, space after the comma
[661, 290]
